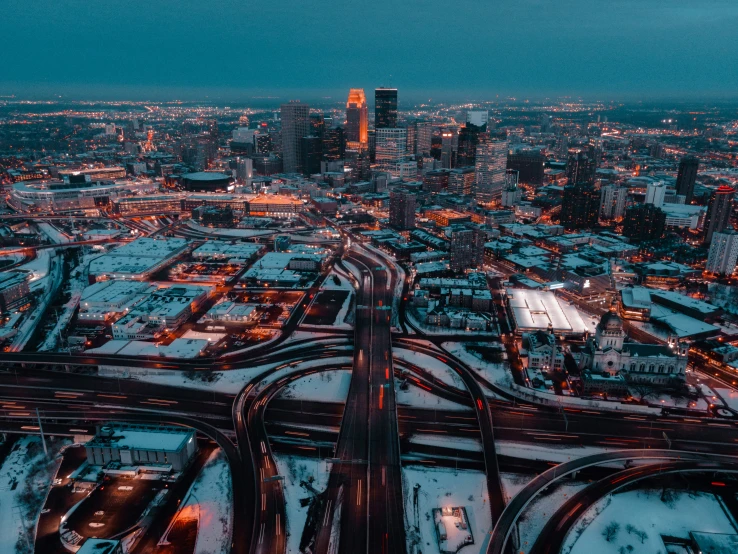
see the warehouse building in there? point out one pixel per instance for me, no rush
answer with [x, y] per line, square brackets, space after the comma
[163, 446]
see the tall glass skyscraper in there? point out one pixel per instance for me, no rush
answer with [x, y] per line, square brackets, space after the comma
[357, 126]
[491, 166]
[385, 108]
[295, 125]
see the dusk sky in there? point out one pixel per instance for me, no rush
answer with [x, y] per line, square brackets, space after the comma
[161, 49]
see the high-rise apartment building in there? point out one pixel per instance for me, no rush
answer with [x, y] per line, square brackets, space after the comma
[402, 209]
[461, 249]
[529, 164]
[723, 253]
[390, 149]
[490, 167]
[644, 222]
[612, 201]
[385, 108]
[357, 124]
[655, 193]
[580, 168]
[461, 180]
[580, 206]
[718, 211]
[295, 125]
[686, 177]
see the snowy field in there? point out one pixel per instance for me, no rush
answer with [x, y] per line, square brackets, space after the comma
[326, 386]
[497, 374]
[210, 501]
[25, 478]
[231, 382]
[419, 398]
[459, 443]
[642, 512]
[542, 508]
[444, 488]
[296, 469]
[430, 364]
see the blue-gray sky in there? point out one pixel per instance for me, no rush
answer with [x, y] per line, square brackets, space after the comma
[161, 49]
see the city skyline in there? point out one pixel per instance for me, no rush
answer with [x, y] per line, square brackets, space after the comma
[626, 50]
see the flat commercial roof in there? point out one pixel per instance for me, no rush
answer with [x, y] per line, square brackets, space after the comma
[162, 439]
[535, 310]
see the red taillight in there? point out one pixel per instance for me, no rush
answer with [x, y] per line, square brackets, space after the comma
[479, 403]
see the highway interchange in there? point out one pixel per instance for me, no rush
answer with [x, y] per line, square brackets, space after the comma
[362, 508]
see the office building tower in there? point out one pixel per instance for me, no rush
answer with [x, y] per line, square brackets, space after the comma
[436, 180]
[412, 139]
[490, 167]
[655, 193]
[402, 209]
[317, 124]
[719, 211]
[461, 180]
[723, 253]
[580, 168]
[264, 143]
[333, 144]
[469, 138]
[478, 118]
[295, 125]
[686, 177]
[644, 222]
[511, 194]
[311, 155]
[385, 108]
[461, 249]
[580, 207]
[390, 149]
[423, 135]
[244, 170]
[529, 164]
[449, 146]
[612, 201]
[357, 124]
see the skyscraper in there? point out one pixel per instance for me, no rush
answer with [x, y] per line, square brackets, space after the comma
[644, 222]
[723, 253]
[490, 167]
[312, 153]
[686, 177]
[718, 211]
[390, 149]
[580, 206]
[295, 125]
[580, 169]
[402, 209]
[385, 108]
[612, 201]
[461, 249]
[478, 118]
[357, 125]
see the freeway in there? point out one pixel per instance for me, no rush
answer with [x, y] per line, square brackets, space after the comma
[363, 510]
[552, 536]
[504, 526]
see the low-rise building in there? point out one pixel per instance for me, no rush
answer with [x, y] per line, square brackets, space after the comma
[142, 445]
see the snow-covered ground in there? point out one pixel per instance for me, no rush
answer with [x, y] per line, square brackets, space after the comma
[513, 483]
[495, 373]
[230, 381]
[542, 508]
[26, 473]
[549, 453]
[296, 469]
[432, 365]
[54, 234]
[419, 398]
[229, 232]
[210, 500]
[459, 443]
[441, 488]
[729, 396]
[329, 283]
[436, 330]
[643, 511]
[326, 386]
